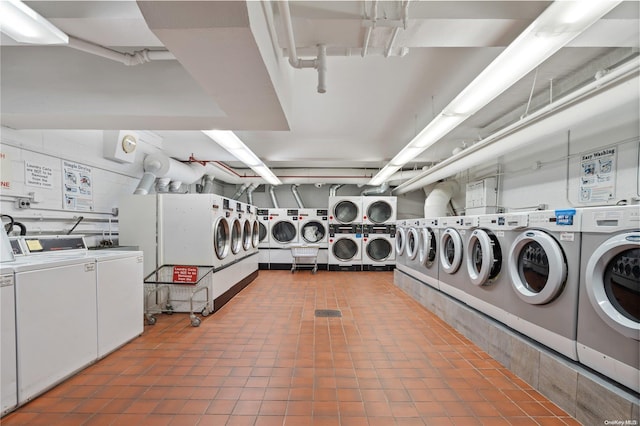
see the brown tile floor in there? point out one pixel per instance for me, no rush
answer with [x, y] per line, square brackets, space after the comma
[265, 359]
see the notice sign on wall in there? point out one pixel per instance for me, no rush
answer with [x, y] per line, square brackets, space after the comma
[185, 274]
[37, 175]
[598, 176]
[77, 186]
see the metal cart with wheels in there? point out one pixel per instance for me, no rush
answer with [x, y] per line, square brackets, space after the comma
[171, 284]
[305, 255]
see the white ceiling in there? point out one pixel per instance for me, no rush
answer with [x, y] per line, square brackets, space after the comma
[231, 72]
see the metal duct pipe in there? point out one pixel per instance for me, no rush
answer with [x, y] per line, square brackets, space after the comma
[334, 189]
[274, 200]
[162, 185]
[165, 167]
[376, 191]
[174, 186]
[296, 195]
[208, 184]
[322, 68]
[136, 58]
[240, 191]
[250, 190]
[438, 199]
[145, 184]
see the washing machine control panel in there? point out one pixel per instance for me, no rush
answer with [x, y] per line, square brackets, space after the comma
[344, 229]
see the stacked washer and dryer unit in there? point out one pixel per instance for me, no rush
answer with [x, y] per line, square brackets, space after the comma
[379, 233]
[345, 233]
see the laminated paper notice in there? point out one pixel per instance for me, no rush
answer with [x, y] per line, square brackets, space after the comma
[77, 186]
[598, 176]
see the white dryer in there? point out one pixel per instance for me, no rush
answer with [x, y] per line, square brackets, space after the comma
[609, 305]
[428, 251]
[264, 237]
[453, 275]
[345, 247]
[378, 251]
[378, 210]
[314, 229]
[486, 254]
[284, 234]
[544, 270]
[345, 210]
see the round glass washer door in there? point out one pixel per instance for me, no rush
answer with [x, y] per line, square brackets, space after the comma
[613, 283]
[412, 243]
[345, 249]
[221, 238]
[246, 235]
[427, 247]
[262, 232]
[379, 211]
[284, 231]
[450, 250]
[537, 267]
[346, 211]
[313, 232]
[484, 257]
[401, 240]
[379, 249]
[255, 234]
[236, 236]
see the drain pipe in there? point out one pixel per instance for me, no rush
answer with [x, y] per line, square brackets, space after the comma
[334, 189]
[250, 190]
[208, 184]
[376, 191]
[136, 58]
[319, 63]
[296, 195]
[240, 191]
[439, 198]
[274, 200]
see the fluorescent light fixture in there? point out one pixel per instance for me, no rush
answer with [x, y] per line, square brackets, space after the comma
[230, 142]
[24, 25]
[384, 174]
[560, 23]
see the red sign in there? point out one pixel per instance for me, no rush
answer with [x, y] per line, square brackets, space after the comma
[185, 274]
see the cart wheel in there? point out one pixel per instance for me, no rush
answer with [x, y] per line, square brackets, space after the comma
[205, 312]
[195, 322]
[151, 320]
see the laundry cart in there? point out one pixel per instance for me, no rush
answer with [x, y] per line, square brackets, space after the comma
[305, 256]
[179, 284]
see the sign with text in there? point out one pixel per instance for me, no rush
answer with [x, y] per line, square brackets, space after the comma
[185, 274]
[37, 175]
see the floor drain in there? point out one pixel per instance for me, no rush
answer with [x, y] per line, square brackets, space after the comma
[330, 313]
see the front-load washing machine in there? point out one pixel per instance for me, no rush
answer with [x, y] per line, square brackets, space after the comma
[453, 275]
[402, 227]
[428, 250]
[544, 270]
[254, 226]
[345, 247]
[284, 234]
[378, 210]
[345, 210]
[235, 220]
[245, 227]
[412, 246]
[314, 229]
[264, 237]
[609, 302]
[486, 253]
[378, 251]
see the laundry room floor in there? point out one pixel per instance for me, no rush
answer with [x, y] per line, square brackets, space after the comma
[266, 358]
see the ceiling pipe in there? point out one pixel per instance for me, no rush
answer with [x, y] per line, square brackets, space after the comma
[589, 101]
[130, 59]
[174, 186]
[274, 200]
[208, 184]
[367, 36]
[250, 190]
[436, 203]
[376, 191]
[333, 190]
[296, 196]
[240, 191]
[319, 63]
[396, 30]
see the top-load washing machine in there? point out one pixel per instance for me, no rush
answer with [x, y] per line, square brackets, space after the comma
[486, 253]
[378, 210]
[453, 275]
[428, 251]
[609, 302]
[284, 233]
[345, 210]
[544, 270]
[378, 247]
